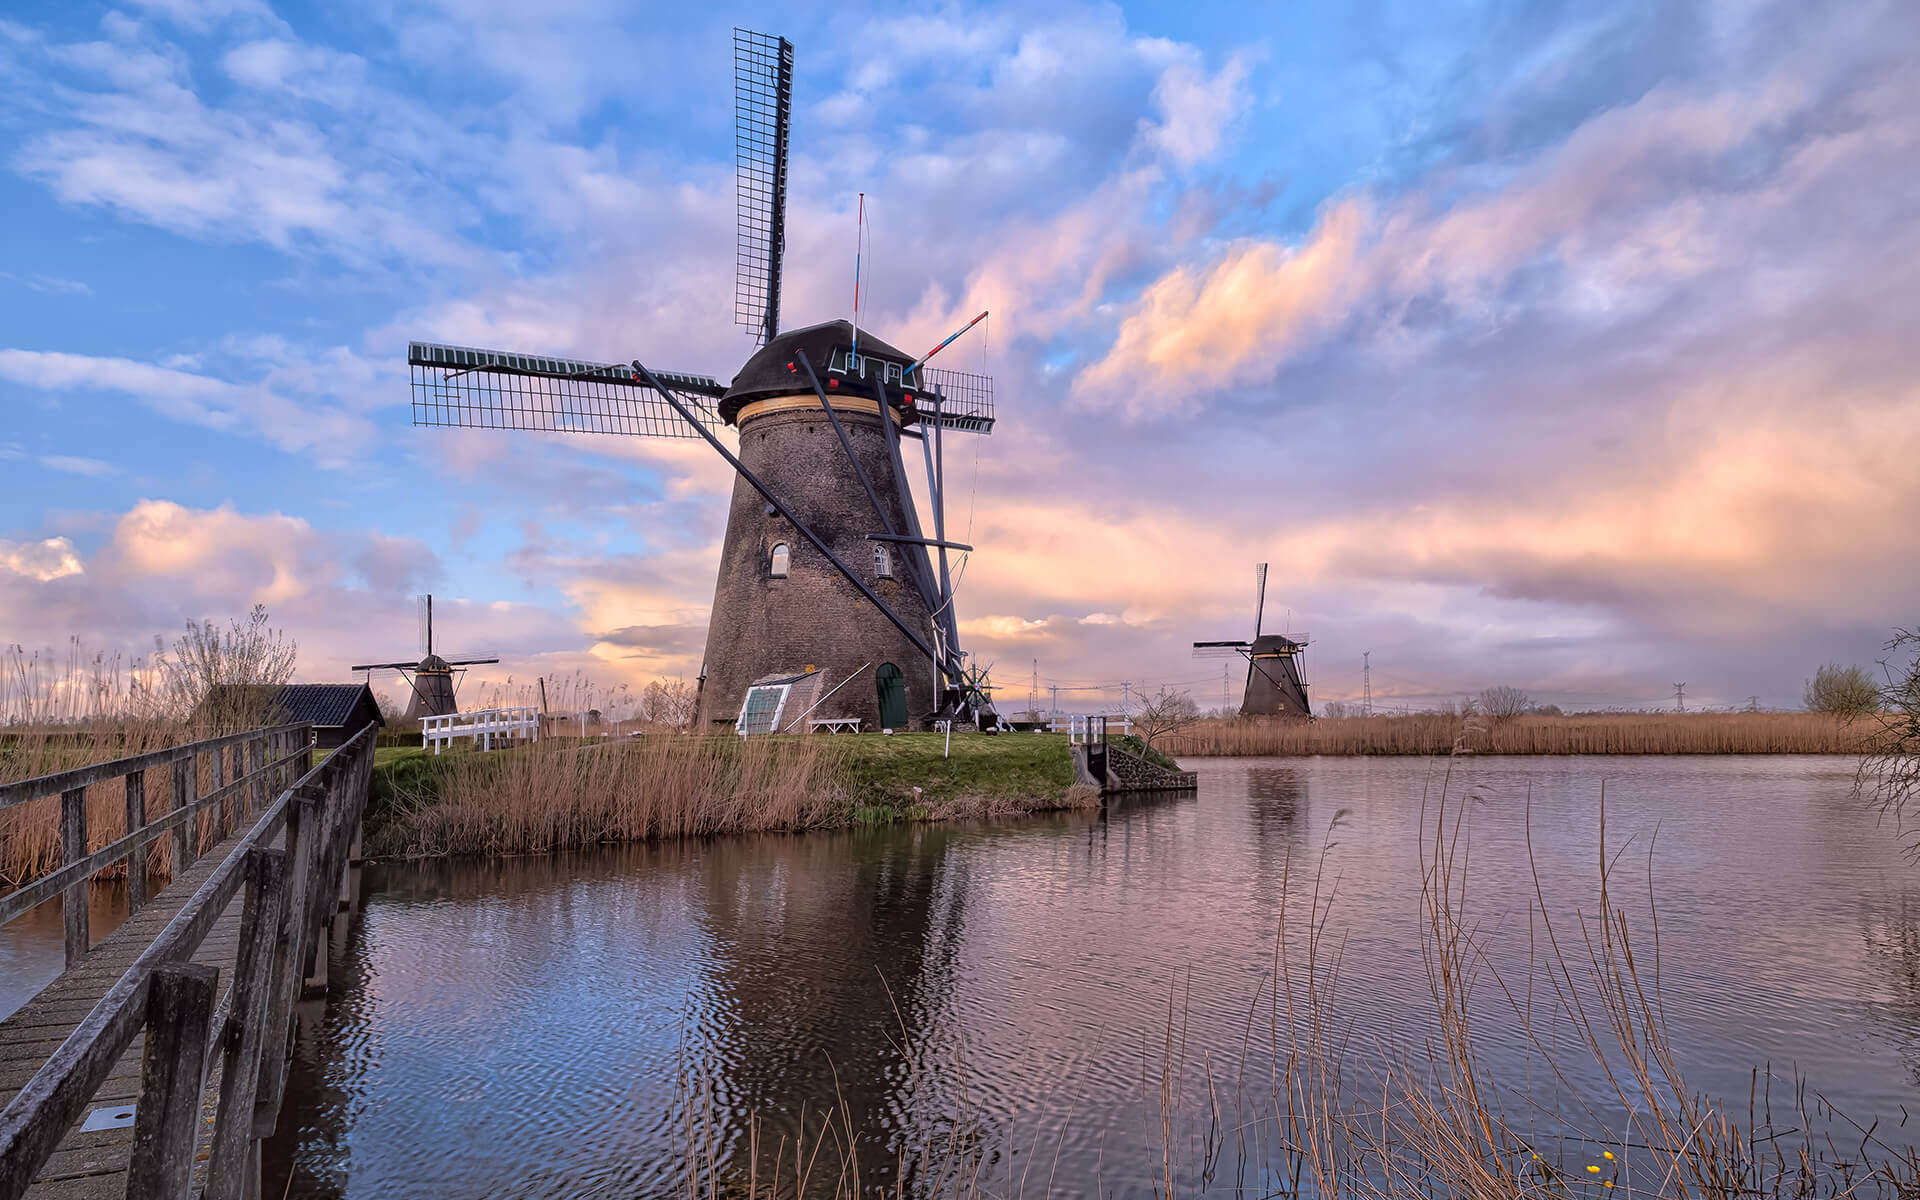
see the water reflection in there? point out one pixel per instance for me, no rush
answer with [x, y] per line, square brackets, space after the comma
[565, 1026]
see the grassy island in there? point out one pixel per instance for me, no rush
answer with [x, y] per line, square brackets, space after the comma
[562, 793]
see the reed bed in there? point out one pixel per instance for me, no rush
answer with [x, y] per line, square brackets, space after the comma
[557, 796]
[1442, 733]
[1304, 1113]
[59, 711]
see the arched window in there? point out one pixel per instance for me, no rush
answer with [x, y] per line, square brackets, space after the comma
[777, 566]
[882, 561]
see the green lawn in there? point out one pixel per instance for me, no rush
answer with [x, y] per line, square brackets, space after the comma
[881, 771]
[874, 773]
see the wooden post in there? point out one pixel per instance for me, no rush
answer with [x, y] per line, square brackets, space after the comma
[173, 1071]
[186, 841]
[289, 960]
[234, 1163]
[257, 790]
[217, 769]
[73, 848]
[136, 861]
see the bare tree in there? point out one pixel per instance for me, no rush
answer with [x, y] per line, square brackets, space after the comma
[1163, 713]
[668, 702]
[244, 662]
[1504, 703]
[1889, 771]
[1844, 691]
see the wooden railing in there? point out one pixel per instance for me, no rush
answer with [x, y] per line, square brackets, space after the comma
[291, 892]
[483, 727]
[244, 769]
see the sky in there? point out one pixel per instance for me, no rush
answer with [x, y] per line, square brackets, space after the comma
[1570, 347]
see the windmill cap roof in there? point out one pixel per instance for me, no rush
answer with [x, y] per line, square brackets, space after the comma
[766, 373]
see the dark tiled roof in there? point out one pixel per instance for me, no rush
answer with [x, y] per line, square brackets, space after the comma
[325, 705]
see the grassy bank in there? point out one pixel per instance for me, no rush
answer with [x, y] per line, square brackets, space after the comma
[1610, 733]
[559, 795]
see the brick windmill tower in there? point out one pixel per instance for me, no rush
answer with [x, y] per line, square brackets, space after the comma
[831, 598]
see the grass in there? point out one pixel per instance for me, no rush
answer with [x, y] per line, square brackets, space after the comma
[1609, 733]
[558, 795]
[986, 774]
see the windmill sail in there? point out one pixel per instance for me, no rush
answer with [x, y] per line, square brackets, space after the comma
[762, 117]
[493, 389]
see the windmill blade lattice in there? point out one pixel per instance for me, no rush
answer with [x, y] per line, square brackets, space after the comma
[469, 388]
[762, 118]
[966, 400]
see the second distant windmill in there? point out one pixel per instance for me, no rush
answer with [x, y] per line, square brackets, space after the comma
[431, 678]
[1274, 683]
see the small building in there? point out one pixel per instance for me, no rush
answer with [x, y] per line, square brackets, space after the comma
[336, 711]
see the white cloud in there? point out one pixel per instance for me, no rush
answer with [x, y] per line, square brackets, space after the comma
[48, 559]
[72, 465]
[1196, 109]
[292, 424]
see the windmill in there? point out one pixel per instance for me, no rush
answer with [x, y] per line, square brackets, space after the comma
[1274, 685]
[825, 564]
[431, 678]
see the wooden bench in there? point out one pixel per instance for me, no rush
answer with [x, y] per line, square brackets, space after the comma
[835, 724]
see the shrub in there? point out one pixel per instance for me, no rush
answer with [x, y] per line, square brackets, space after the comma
[1844, 691]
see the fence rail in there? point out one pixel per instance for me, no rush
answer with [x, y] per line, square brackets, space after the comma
[291, 892]
[243, 768]
[483, 726]
[1080, 729]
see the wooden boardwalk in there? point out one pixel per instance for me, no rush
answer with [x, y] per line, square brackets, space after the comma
[172, 1035]
[95, 1164]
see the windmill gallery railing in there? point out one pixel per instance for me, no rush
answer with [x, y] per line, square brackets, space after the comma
[290, 864]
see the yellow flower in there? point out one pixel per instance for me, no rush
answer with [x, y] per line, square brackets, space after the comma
[1606, 1154]
[1606, 1183]
[1594, 1169]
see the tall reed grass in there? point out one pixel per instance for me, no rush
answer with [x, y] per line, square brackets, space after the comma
[59, 711]
[1441, 733]
[1309, 1110]
[555, 795]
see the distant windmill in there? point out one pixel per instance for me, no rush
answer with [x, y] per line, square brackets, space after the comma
[431, 678]
[825, 565]
[1274, 685]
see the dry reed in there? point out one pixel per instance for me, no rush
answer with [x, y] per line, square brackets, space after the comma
[1303, 1115]
[60, 712]
[1441, 733]
[558, 796]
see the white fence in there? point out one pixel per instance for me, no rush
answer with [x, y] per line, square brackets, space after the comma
[483, 727]
[1075, 727]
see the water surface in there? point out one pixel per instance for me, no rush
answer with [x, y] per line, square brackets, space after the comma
[545, 1026]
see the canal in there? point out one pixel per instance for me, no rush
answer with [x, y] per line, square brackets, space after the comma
[1048, 991]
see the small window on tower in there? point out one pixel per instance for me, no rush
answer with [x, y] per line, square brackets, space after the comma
[777, 565]
[882, 561]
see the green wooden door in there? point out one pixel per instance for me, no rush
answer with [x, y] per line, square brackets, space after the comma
[891, 688]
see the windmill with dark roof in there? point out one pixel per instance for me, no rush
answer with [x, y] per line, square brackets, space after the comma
[430, 678]
[1275, 686]
[825, 566]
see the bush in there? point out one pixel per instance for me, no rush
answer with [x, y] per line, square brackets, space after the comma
[1843, 691]
[1504, 703]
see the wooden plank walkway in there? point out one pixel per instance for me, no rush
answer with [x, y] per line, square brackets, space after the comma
[94, 1164]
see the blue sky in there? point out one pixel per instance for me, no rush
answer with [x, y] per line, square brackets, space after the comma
[1563, 346]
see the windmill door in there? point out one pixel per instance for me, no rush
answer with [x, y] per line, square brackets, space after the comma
[891, 688]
